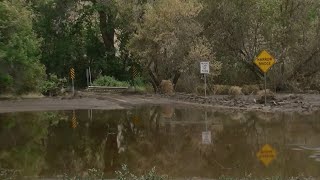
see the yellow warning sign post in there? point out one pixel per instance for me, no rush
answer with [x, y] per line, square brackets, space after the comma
[267, 154]
[74, 122]
[72, 76]
[264, 61]
[136, 120]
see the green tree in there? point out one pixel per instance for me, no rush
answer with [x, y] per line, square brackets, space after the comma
[239, 30]
[168, 41]
[20, 69]
[83, 34]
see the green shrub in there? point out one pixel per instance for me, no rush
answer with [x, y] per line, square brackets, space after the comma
[139, 82]
[20, 49]
[6, 82]
[52, 86]
[109, 81]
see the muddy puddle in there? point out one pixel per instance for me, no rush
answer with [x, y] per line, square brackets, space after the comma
[179, 142]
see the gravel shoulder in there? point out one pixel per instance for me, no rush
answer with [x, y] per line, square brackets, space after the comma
[303, 103]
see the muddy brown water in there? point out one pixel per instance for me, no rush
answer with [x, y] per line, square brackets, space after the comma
[50, 144]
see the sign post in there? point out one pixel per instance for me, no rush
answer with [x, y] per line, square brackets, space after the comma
[205, 69]
[205, 85]
[264, 61]
[74, 122]
[72, 75]
[265, 88]
[90, 77]
[206, 135]
[87, 76]
[134, 72]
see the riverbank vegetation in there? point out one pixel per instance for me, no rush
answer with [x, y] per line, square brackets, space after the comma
[158, 40]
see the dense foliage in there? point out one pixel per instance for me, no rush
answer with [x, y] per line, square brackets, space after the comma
[109, 81]
[53, 85]
[20, 69]
[161, 40]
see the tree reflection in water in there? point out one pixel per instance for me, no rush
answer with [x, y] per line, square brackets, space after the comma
[44, 144]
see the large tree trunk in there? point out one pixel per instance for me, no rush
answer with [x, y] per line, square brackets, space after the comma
[154, 81]
[107, 27]
[107, 31]
[175, 79]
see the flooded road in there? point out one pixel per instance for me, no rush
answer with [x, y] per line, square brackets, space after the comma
[179, 142]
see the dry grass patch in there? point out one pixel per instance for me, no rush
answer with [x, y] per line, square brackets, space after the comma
[166, 87]
[200, 90]
[250, 89]
[221, 89]
[235, 91]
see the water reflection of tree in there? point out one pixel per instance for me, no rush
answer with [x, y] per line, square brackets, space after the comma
[152, 136]
[277, 129]
[23, 141]
[99, 143]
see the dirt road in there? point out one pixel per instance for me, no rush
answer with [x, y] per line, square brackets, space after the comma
[82, 101]
[86, 100]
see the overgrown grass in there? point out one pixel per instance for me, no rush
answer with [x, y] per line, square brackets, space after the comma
[142, 86]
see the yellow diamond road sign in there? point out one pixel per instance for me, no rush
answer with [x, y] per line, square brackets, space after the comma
[267, 154]
[264, 61]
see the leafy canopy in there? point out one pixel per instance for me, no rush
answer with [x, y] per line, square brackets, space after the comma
[20, 68]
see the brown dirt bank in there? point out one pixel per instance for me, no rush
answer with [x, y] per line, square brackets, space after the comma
[303, 103]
